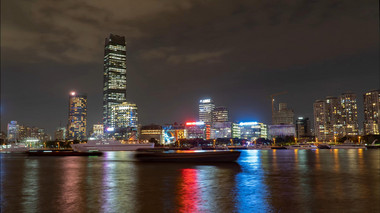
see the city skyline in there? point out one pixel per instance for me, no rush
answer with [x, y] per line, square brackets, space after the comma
[163, 67]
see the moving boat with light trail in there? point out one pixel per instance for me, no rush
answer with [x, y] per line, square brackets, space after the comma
[61, 153]
[109, 145]
[187, 156]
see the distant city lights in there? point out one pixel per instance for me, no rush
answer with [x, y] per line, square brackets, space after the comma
[110, 129]
[199, 123]
[248, 123]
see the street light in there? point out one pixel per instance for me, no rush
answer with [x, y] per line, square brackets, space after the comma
[359, 139]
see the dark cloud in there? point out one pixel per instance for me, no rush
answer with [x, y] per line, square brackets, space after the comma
[238, 52]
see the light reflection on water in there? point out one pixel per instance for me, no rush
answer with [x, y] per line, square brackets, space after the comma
[261, 181]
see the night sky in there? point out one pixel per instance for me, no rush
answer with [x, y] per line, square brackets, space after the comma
[236, 52]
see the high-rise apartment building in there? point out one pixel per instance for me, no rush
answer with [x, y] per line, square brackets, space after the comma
[77, 122]
[349, 111]
[206, 106]
[335, 117]
[115, 75]
[372, 112]
[219, 114]
[320, 120]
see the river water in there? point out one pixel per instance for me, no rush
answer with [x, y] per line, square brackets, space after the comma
[261, 181]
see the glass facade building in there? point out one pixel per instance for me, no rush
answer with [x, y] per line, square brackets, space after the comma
[303, 128]
[77, 122]
[13, 131]
[115, 75]
[124, 121]
[124, 115]
[253, 130]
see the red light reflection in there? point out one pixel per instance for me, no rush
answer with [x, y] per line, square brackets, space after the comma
[189, 193]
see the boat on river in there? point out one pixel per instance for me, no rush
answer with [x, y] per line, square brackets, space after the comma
[187, 156]
[324, 146]
[348, 146]
[278, 147]
[14, 148]
[109, 145]
[61, 153]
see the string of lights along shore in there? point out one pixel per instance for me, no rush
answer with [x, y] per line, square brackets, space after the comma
[335, 118]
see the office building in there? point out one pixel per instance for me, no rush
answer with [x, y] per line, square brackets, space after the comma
[219, 114]
[124, 120]
[253, 130]
[77, 122]
[372, 112]
[60, 134]
[303, 129]
[206, 106]
[97, 131]
[13, 132]
[235, 128]
[152, 133]
[196, 130]
[282, 131]
[124, 115]
[115, 75]
[283, 115]
[221, 130]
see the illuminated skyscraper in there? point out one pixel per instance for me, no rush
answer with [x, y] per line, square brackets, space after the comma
[77, 122]
[115, 77]
[206, 106]
[13, 131]
[372, 112]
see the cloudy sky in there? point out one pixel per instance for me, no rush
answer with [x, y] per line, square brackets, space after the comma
[178, 51]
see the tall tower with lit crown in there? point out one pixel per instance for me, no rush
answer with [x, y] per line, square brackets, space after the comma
[77, 122]
[115, 75]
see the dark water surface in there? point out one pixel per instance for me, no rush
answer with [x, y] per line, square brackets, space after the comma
[261, 181]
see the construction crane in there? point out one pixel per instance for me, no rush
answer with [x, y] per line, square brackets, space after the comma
[272, 98]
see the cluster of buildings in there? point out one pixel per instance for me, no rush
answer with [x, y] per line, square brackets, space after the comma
[337, 117]
[213, 123]
[22, 133]
[334, 117]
